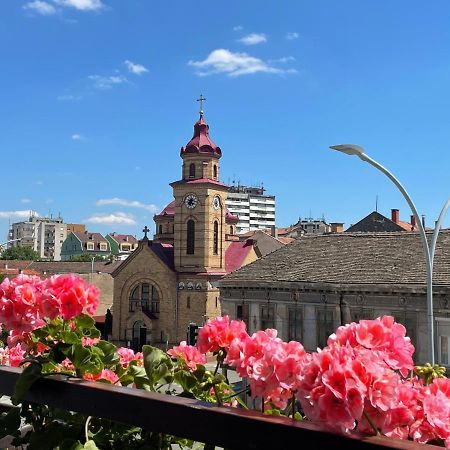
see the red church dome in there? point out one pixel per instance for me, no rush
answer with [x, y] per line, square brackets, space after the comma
[201, 142]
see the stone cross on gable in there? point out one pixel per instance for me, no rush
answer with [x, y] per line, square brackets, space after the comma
[146, 230]
[201, 100]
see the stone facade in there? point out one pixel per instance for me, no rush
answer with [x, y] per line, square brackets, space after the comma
[171, 281]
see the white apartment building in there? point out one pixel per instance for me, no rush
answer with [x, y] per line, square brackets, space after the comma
[254, 209]
[45, 235]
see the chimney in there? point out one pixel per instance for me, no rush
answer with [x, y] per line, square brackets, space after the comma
[423, 221]
[413, 223]
[395, 215]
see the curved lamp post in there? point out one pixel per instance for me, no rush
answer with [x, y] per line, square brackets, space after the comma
[356, 150]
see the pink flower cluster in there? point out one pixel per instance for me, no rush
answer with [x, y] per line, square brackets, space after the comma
[127, 355]
[189, 354]
[357, 382]
[11, 356]
[26, 302]
[220, 333]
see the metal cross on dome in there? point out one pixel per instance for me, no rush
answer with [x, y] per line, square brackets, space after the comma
[201, 100]
[146, 230]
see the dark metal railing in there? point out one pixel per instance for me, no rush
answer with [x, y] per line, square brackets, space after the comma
[227, 427]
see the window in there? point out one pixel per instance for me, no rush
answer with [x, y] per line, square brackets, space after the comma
[103, 247]
[215, 171]
[325, 326]
[216, 238]
[231, 230]
[192, 170]
[243, 313]
[267, 316]
[144, 297]
[90, 246]
[188, 303]
[160, 229]
[190, 238]
[443, 341]
[295, 320]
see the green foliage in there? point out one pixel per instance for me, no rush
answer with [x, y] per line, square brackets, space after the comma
[23, 253]
[65, 430]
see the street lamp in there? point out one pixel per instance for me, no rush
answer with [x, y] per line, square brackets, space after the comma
[356, 150]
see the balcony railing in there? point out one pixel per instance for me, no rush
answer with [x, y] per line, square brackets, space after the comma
[226, 427]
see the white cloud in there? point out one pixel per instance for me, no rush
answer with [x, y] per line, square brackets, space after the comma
[111, 219]
[238, 28]
[101, 82]
[292, 35]
[137, 69]
[16, 214]
[129, 203]
[68, 97]
[25, 200]
[284, 59]
[81, 5]
[43, 8]
[253, 39]
[78, 137]
[233, 64]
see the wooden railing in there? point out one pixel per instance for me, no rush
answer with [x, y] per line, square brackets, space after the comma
[227, 427]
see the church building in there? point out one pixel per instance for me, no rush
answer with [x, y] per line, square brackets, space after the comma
[171, 280]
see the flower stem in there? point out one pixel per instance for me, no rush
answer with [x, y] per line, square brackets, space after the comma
[242, 391]
[375, 429]
[293, 405]
[216, 392]
[86, 428]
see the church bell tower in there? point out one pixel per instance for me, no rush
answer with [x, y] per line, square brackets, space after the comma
[200, 212]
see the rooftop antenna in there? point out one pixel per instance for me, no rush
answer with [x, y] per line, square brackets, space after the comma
[376, 203]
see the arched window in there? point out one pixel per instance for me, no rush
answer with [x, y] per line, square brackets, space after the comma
[160, 229]
[192, 170]
[215, 171]
[216, 238]
[188, 302]
[231, 230]
[190, 238]
[144, 297]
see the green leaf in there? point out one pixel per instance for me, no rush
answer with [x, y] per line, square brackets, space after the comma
[84, 321]
[110, 355]
[29, 375]
[157, 364]
[90, 445]
[186, 380]
[139, 377]
[70, 444]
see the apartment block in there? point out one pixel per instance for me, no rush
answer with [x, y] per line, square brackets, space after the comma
[255, 209]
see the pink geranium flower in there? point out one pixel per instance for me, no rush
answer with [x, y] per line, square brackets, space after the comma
[189, 354]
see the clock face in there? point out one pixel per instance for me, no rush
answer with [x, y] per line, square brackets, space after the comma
[216, 203]
[191, 201]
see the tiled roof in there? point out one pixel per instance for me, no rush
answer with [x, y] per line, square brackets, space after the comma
[169, 210]
[375, 222]
[123, 238]
[55, 267]
[352, 258]
[236, 253]
[90, 237]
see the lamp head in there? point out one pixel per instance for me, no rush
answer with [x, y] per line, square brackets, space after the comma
[349, 149]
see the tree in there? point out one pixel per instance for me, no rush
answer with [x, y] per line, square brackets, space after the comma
[23, 253]
[87, 257]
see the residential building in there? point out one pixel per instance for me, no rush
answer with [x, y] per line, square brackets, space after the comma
[171, 281]
[313, 226]
[255, 209]
[93, 244]
[45, 235]
[308, 288]
[122, 245]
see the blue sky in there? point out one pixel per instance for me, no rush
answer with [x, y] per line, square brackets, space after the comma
[98, 96]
